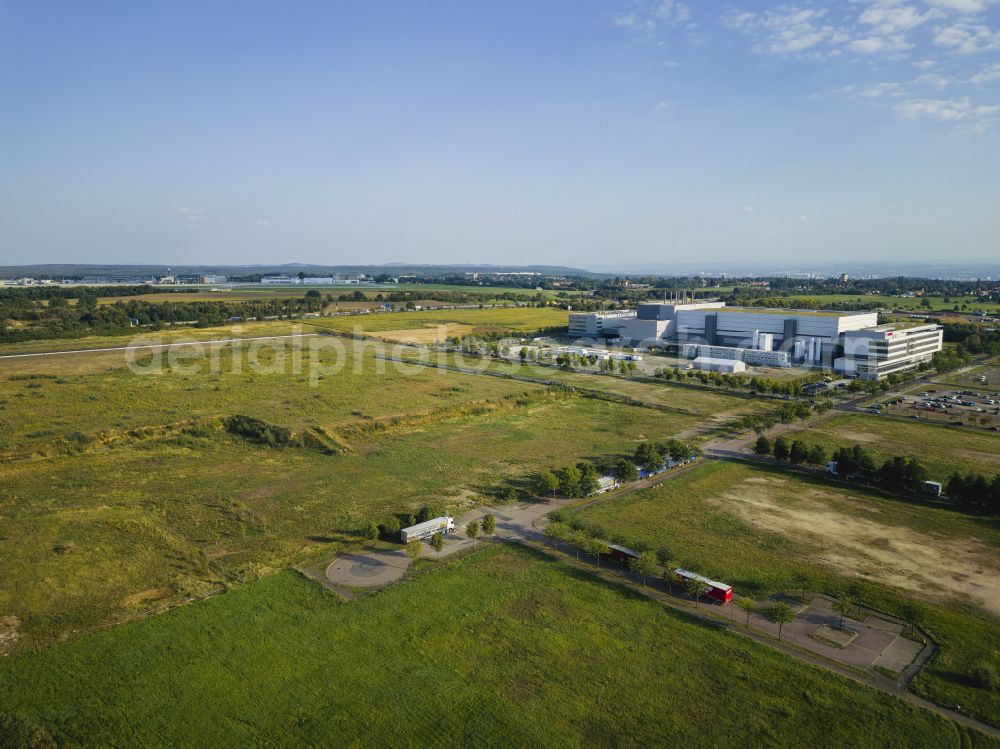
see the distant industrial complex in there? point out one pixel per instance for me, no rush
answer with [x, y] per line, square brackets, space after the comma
[726, 339]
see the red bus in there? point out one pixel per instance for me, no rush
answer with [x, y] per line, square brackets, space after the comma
[719, 591]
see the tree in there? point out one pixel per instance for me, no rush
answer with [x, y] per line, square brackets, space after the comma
[391, 528]
[644, 565]
[648, 456]
[437, 543]
[910, 613]
[489, 524]
[625, 470]
[557, 531]
[695, 589]
[801, 581]
[547, 483]
[670, 575]
[748, 605]
[472, 531]
[762, 446]
[781, 449]
[843, 606]
[413, 548]
[817, 455]
[569, 481]
[798, 453]
[780, 613]
[578, 539]
[523, 354]
[597, 548]
[372, 533]
[588, 484]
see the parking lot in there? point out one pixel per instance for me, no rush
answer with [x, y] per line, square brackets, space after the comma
[875, 639]
[978, 406]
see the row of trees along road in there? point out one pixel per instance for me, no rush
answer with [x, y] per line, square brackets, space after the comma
[647, 565]
[581, 480]
[973, 491]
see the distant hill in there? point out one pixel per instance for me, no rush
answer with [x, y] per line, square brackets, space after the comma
[59, 270]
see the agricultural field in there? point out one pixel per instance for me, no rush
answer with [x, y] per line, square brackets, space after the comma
[759, 528]
[122, 490]
[942, 449]
[516, 650]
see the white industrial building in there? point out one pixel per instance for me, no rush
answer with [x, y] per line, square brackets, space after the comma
[594, 324]
[884, 349]
[770, 337]
[728, 366]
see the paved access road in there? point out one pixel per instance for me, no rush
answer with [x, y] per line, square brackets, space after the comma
[377, 568]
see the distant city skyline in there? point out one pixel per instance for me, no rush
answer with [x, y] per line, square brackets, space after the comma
[600, 135]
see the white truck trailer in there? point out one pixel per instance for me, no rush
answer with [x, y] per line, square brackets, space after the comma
[427, 529]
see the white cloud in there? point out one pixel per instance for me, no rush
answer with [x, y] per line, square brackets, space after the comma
[262, 222]
[888, 17]
[987, 74]
[873, 45]
[963, 6]
[924, 64]
[192, 217]
[747, 209]
[945, 110]
[967, 38]
[933, 79]
[788, 29]
[662, 106]
[880, 89]
[650, 16]
[803, 218]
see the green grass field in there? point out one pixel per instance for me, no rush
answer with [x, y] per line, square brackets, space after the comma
[486, 292]
[501, 648]
[512, 320]
[942, 449]
[140, 336]
[757, 528]
[691, 401]
[113, 501]
[505, 319]
[937, 304]
[45, 400]
[968, 377]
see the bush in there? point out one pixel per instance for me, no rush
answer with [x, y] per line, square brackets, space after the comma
[260, 432]
[986, 676]
[390, 529]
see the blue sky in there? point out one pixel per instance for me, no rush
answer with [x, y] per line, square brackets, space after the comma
[587, 133]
